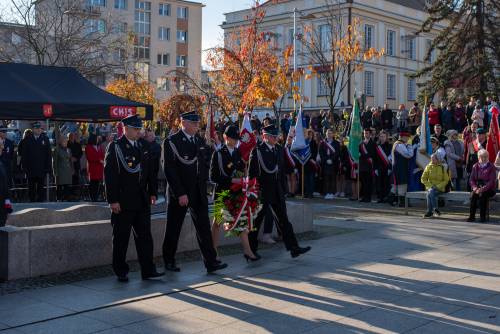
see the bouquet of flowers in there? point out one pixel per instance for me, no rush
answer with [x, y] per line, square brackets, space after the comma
[237, 207]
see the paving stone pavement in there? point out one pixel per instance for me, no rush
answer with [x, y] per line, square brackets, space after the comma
[394, 274]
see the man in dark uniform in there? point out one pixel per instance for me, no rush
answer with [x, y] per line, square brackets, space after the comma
[186, 163]
[329, 152]
[131, 188]
[7, 155]
[367, 156]
[267, 165]
[36, 161]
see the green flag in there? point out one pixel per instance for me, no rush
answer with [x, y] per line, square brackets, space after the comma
[355, 133]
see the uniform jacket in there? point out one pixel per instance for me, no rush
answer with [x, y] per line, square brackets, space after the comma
[435, 175]
[367, 158]
[63, 169]
[95, 162]
[330, 161]
[36, 156]
[272, 185]
[131, 190]
[7, 154]
[381, 162]
[184, 178]
[223, 165]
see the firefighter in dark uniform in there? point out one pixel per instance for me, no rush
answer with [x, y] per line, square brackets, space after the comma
[267, 165]
[131, 188]
[186, 161]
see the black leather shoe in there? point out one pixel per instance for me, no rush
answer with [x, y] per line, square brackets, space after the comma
[172, 267]
[215, 267]
[123, 279]
[154, 274]
[297, 251]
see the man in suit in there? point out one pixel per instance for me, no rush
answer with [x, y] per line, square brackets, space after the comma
[186, 163]
[329, 152]
[267, 165]
[131, 188]
[36, 161]
[7, 155]
[367, 156]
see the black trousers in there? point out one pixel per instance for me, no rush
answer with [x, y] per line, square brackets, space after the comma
[329, 182]
[283, 225]
[198, 210]
[36, 192]
[63, 191]
[383, 184]
[268, 221]
[94, 190]
[482, 200]
[140, 223]
[366, 180]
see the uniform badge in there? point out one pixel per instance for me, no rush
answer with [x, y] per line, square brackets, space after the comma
[183, 139]
[133, 158]
[130, 164]
[229, 165]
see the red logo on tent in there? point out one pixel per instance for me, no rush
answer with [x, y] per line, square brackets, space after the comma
[121, 112]
[47, 110]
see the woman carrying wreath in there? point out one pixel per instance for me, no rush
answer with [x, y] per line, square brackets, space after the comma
[227, 169]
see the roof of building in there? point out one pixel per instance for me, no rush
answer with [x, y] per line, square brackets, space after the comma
[415, 4]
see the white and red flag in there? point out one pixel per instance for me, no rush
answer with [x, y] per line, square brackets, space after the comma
[210, 131]
[493, 144]
[247, 138]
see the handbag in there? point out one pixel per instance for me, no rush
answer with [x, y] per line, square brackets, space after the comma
[448, 187]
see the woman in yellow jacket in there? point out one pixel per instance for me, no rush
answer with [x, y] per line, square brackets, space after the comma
[435, 178]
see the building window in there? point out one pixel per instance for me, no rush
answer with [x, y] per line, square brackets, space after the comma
[181, 61]
[325, 35]
[391, 86]
[142, 29]
[15, 38]
[182, 12]
[142, 70]
[164, 34]
[432, 58]
[98, 79]
[322, 85]
[298, 37]
[121, 4]
[182, 36]
[180, 84]
[120, 27]
[369, 33]
[411, 48]
[163, 59]
[391, 43]
[369, 77]
[164, 9]
[412, 90]
[96, 3]
[95, 25]
[119, 55]
[162, 84]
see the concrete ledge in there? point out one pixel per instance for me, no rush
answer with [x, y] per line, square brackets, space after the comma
[31, 251]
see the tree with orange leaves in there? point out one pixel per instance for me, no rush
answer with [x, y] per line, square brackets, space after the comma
[335, 52]
[136, 90]
[248, 72]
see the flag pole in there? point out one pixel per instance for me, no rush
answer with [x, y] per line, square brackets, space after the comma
[302, 181]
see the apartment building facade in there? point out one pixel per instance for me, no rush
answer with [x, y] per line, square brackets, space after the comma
[153, 37]
[387, 24]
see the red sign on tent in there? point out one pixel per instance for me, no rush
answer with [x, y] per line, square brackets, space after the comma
[121, 112]
[47, 110]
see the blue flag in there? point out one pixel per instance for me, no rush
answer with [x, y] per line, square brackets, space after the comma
[300, 149]
[425, 133]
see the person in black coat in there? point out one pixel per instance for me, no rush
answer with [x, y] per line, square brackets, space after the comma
[226, 162]
[131, 188]
[386, 118]
[367, 156]
[186, 164]
[7, 155]
[329, 152]
[267, 165]
[383, 166]
[36, 161]
[76, 149]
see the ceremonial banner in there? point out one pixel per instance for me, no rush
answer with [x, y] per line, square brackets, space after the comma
[247, 138]
[355, 133]
[300, 149]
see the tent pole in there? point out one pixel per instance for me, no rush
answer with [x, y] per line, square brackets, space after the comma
[48, 174]
[302, 181]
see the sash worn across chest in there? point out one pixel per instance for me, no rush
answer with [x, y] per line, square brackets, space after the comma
[262, 164]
